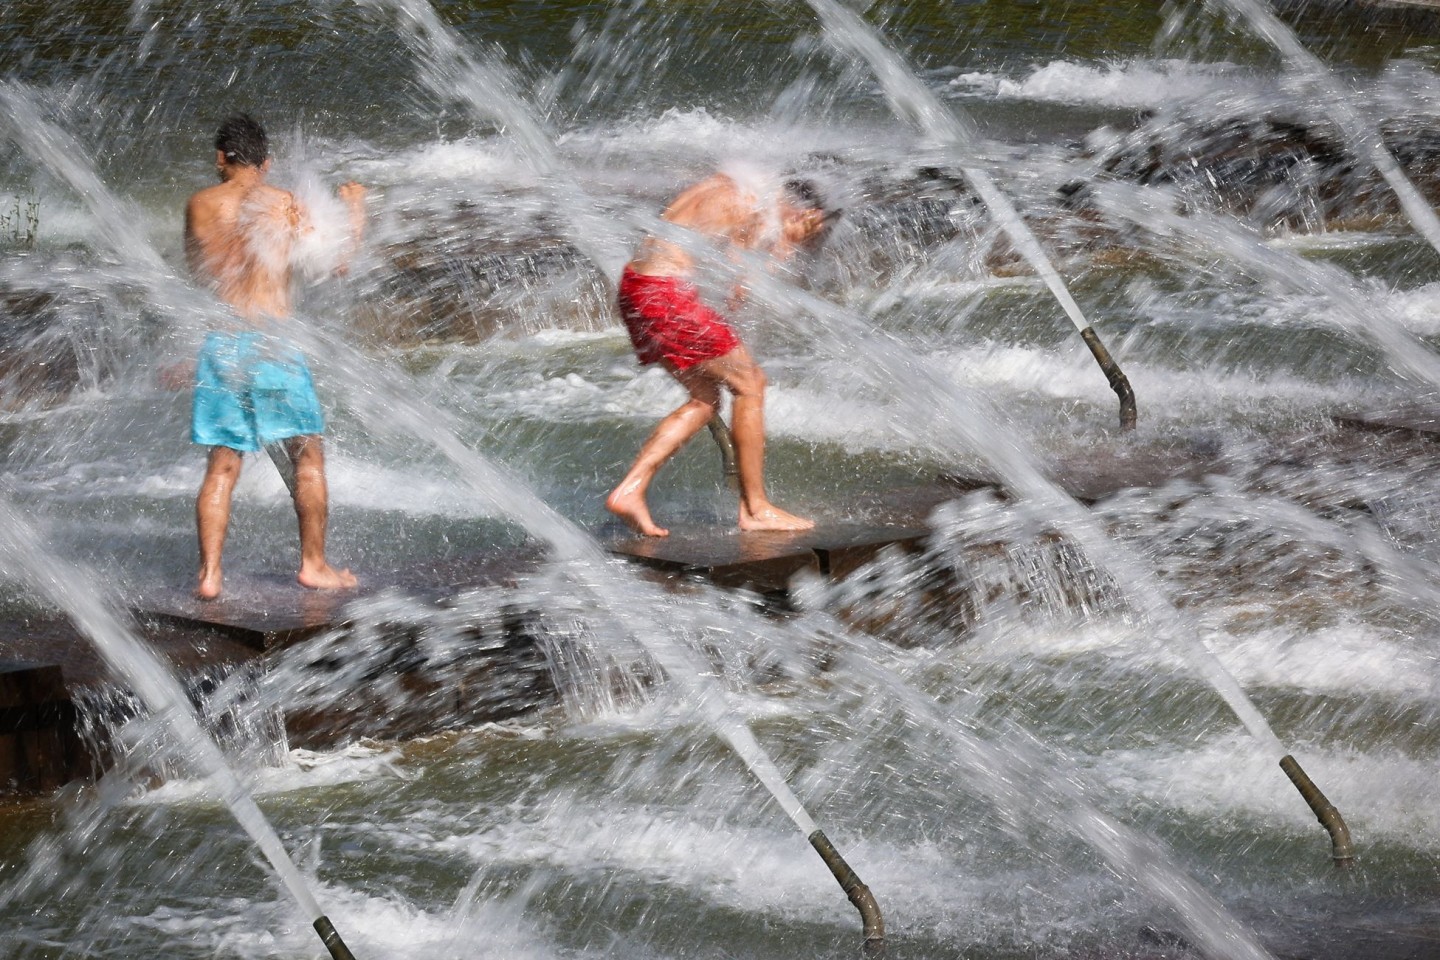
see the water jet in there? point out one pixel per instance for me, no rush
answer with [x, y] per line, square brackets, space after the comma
[576, 833]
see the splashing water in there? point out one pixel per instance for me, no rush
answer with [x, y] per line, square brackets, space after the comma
[1362, 135]
[26, 557]
[557, 828]
[1201, 234]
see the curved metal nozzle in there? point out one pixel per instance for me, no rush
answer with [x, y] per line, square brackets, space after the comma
[859, 894]
[283, 464]
[332, 940]
[726, 443]
[1341, 850]
[1117, 379]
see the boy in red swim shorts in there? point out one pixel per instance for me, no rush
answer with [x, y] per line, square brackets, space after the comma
[669, 325]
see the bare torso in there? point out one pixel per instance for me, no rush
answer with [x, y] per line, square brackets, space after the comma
[716, 207]
[238, 240]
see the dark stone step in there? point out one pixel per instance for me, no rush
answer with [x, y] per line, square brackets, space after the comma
[40, 750]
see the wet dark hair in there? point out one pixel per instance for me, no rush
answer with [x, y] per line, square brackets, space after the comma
[242, 140]
[804, 193]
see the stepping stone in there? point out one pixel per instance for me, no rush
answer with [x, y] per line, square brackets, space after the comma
[1420, 420]
[39, 748]
[269, 611]
[764, 562]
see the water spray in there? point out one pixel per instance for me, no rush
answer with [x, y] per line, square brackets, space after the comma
[1363, 135]
[1002, 773]
[1199, 234]
[909, 99]
[489, 91]
[81, 595]
[735, 732]
[387, 409]
[450, 71]
[847, 32]
[124, 654]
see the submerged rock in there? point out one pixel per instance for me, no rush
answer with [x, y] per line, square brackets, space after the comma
[37, 363]
[1274, 173]
[448, 278]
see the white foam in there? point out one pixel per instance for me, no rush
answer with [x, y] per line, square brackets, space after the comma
[1133, 83]
[1346, 658]
[418, 490]
[758, 870]
[1328, 240]
[1383, 794]
[1418, 310]
[371, 926]
[697, 136]
[357, 763]
[450, 160]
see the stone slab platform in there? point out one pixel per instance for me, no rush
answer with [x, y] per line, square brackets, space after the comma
[260, 614]
[266, 612]
[765, 562]
[1417, 420]
[837, 545]
[46, 663]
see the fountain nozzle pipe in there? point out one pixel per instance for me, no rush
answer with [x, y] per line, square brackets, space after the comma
[332, 941]
[286, 466]
[1341, 850]
[726, 443]
[1118, 381]
[859, 894]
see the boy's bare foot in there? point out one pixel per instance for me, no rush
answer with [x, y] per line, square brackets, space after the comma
[632, 509]
[208, 586]
[771, 517]
[326, 577]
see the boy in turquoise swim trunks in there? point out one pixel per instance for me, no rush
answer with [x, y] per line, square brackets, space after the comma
[251, 387]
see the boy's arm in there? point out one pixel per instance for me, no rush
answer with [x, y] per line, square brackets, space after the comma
[746, 231]
[353, 195]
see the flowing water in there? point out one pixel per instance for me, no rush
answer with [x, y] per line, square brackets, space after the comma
[479, 321]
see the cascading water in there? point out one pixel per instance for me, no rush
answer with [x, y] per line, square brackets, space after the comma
[1200, 235]
[386, 406]
[553, 836]
[444, 47]
[28, 558]
[952, 130]
[910, 99]
[1362, 136]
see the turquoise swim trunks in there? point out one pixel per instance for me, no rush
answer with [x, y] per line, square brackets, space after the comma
[252, 389]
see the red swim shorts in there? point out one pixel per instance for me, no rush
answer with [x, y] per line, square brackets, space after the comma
[667, 321]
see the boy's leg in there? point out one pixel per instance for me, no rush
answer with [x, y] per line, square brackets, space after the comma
[746, 381]
[627, 500]
[312, 512]
[212, 517]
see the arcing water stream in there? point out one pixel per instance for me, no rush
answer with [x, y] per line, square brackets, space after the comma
[1361, 136]
[385, 407]
[562, 835]
[957, 132]
[910, 99]
[25, 556]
